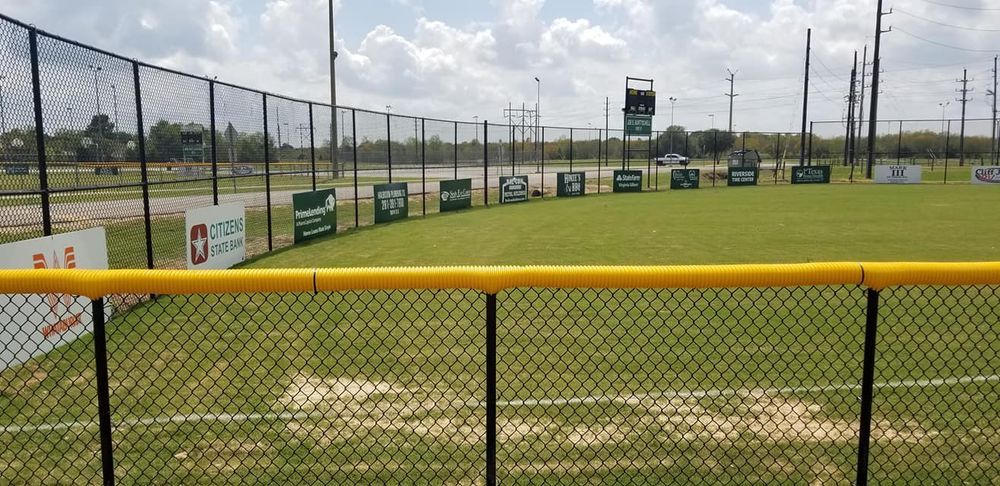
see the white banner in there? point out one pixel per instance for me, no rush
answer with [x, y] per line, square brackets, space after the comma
[215, 236]
[986, 175]
[897, 174]
[36, 324]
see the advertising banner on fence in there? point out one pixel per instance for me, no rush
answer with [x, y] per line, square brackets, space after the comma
[986, 175]
[897, 174]
[456, 195]
[102, 171]
[35, 324]
[684, 178]
[216, 236]
[391, 202]
[627, 181]
[314, 214]
[513, 189]
[819, 174]
[16, 169]
[571, 184]
[740, 176]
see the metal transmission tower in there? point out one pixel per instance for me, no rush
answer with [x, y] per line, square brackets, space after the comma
[964, 99]
[873, 112]
[521, 121]
[731, 95]
[861, 96]
[849, 137]
[993, 132]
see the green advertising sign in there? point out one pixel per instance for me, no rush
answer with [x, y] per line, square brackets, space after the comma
[391, 202]
[571, 184]
[638, 125]
[684, 178]
[819, 174]
[742, 176]
[456, 195]
[513, 189]
[314, 214]
[627, 181]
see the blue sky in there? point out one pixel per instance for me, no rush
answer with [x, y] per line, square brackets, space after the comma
[462, 59]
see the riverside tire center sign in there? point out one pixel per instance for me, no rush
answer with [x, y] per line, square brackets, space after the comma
[742, 176]
[897, 174]
[513, 189]
[819, 174]
[314, 214]
[627, 181]
[392, 202]
[216, 236]
[571, 184]
[986, 175]
[684, 178]
[455, 195]
[38, 323]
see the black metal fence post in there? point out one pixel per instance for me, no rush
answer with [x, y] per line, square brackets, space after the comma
[571, 149]
[215, 160]
[867, 384]
[103, 393]
[267, 174]
[541, 159]
[423, 167]
[455, 146]
[486, 163]
[312, 143]
[810, 159]
[354, 150]
[657, 167]
[143, 168]
[388, 145]
[715, 156]
[491, 389]
[43, 172]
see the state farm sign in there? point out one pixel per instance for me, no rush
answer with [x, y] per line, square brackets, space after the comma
[216, 236]
[39, 323]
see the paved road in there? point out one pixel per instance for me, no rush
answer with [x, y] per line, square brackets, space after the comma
[70, 212]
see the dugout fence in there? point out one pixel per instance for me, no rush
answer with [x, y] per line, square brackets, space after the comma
[826, 372]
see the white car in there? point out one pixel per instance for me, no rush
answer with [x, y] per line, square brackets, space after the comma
[672, 159]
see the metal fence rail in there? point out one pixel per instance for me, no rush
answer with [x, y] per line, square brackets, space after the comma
[801, 373]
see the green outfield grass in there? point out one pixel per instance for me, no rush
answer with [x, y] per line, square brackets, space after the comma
[385, 387]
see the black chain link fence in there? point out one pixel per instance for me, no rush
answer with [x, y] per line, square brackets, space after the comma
[797, 385]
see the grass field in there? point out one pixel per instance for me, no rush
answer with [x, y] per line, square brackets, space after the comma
[637, 387]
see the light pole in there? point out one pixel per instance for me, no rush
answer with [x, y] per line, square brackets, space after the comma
[538, 105]
[712, 116]
[334, 152]
[114, 96]
[388, 108]
[673, 100]
[943, 106]
[476, 118]
[3, 120]
[97, 97]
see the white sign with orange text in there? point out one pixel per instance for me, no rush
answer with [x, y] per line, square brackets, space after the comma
[35, 324]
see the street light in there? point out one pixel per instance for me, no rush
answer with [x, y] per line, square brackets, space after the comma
[387, 109]
[712, 116]
[538, 105]
[97, 98]
[114, 95]
[476, 118]
[672, 101]
[943, 106]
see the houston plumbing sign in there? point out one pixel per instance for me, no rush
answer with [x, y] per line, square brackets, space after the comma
[216, 236]
[39, 323]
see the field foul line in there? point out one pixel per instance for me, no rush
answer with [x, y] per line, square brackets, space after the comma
[635, 399]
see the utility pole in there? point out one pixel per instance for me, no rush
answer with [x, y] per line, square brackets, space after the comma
[861, 97]
[805, 103]
[607, 134]
[334, 146]
[731, 95]
[873, 112]
[993, 133]
[850, 152]
[964, 99]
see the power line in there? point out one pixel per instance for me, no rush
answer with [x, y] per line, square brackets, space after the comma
[941, 44]
[944, 24]
[962, 7]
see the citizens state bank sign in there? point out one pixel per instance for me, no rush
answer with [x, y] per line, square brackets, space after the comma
[216, 236]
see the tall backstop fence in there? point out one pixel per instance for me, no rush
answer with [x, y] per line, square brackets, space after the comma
[772, 374]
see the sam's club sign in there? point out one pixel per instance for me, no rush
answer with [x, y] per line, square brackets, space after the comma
[627, 181]
[314, 214]
[216, 236]
[986, 175]
[570, 184]
[897, 174]
[456, 195]
[819, 174]
[513, 189]
[391, 202]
